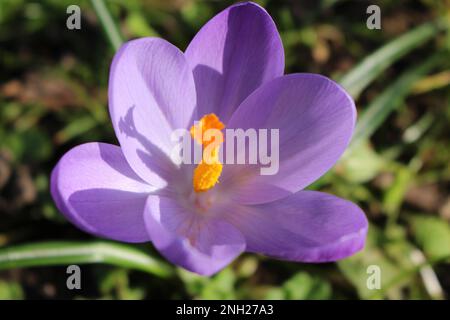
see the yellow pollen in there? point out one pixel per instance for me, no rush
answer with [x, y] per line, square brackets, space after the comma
[207, 133]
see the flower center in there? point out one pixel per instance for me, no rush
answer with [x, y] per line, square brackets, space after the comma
[207, 132]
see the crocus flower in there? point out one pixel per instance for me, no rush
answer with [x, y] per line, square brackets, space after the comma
[232, 73]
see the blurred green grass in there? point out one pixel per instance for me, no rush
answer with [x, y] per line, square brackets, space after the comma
[53, 96]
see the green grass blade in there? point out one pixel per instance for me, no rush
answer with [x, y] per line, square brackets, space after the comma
[390, 99]
[108, 24]
[65, 253]
[358, 78]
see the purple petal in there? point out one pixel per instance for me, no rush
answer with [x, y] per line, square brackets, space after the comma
[151, 93]
[95, 188]
[233, 54]
[308, 226]
[190, 240]
[315, 118]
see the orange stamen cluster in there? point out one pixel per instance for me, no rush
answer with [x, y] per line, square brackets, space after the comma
[207, 133]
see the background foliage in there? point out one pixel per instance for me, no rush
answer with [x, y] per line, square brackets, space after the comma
[53, 96]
